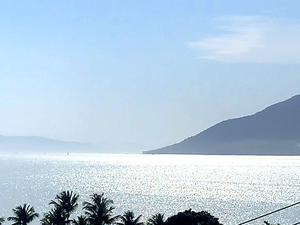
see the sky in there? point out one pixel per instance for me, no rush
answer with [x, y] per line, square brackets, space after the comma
[142, 73]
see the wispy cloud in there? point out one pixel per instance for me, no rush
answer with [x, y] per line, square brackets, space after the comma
[252, 39]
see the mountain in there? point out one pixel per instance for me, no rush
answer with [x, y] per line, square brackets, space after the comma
[272, 131]
[39, 144]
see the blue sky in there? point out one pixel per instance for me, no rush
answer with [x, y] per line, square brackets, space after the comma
[149, 73]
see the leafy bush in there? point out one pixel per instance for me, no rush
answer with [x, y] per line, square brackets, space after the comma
[190, 217]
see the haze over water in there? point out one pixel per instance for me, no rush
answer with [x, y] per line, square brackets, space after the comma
[232, 188]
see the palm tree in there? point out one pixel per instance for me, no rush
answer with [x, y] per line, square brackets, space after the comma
[156, 219]
[23, 215]
[55, 217]
[1, 220]
[67, 200]
[128, 219]
[99, 211]
[81, 220]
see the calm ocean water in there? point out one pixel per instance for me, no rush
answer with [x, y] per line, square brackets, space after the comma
[232, 188]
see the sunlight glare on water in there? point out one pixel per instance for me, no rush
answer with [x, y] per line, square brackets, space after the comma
[232, 188]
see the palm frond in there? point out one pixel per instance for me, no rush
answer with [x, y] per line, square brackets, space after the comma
[23, 215]
[99, 210]
[156, 219]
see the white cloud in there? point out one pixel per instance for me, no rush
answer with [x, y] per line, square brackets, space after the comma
[252, 39]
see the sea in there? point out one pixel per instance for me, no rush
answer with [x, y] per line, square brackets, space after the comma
[231, 188]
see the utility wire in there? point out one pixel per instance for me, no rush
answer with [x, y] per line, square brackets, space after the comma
[256, 218]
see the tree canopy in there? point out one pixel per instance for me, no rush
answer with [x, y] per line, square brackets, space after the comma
[190, 217]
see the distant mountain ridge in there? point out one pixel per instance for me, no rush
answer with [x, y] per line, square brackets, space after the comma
[272, 131]
[39, 144]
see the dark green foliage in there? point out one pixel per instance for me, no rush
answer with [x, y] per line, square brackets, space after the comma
[99, 211]
[128, 219]
[81, 220]
[156, 219]
[55, 217]
[64, 204]
[23, 215]
[190, 217]
[67, 200]
[1, 220]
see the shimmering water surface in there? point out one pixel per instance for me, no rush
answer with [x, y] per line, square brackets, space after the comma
[232, 188]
